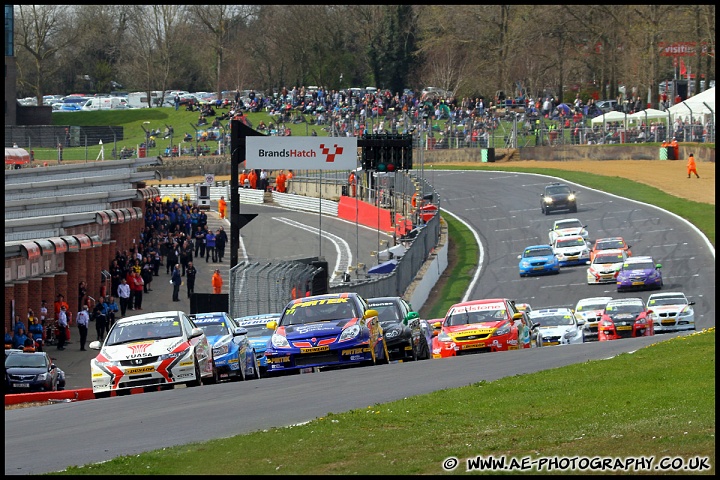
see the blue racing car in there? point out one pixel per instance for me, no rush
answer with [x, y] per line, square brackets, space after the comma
[233, 354]
[330, 330]
[258, 333]
[538, 260]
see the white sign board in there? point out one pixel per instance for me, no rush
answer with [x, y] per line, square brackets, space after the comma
[297, 153]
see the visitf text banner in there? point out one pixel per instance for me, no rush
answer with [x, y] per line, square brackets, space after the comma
[297, 153]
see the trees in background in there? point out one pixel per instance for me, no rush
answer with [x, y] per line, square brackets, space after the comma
[471, 50]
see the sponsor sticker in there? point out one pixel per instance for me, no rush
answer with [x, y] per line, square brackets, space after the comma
[315, 349]
[135, 371]
[354, 351]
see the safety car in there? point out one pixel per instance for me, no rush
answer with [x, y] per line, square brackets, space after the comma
[568, 226]
[258, 334]
[329, 330]
[556, 326]
[610, 243]
[152, 350]
[405, 336]
[671, 312]
[233, 353]
[605, 266]
[538, 260]
[478, 326]
[571, 250]
[558, 196]
[32, 372]
[588, 312]
[625, 318]
[637, 273]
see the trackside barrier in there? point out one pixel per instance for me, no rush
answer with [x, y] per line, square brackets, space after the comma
[77, 395]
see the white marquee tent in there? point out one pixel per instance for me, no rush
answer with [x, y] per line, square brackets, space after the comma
[700, 106]
[609, 117]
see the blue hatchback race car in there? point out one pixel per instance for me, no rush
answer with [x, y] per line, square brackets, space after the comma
[258, 333]
[330, 330]
[538, 260]
[233, 354]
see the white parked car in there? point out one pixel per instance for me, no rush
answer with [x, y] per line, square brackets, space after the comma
[556, 326]
[152, 350]
[671, 312]
[571, 250]
[568, 226]
[588, 312]
[605, 266]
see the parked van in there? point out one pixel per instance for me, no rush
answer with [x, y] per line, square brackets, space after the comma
[105, 103]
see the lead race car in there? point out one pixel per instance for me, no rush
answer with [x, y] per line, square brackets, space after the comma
[326, 331]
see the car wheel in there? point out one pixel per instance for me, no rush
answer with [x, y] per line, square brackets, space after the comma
[425, 350]
[386, 355]
[215, 376]
[413, 352]
[198, 379]
[241, 377]
[102, 394]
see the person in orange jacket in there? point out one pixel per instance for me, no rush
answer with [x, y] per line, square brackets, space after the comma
[253, 179]
[289, 175]
[280, 181]
[676, 148]
[691, 167]
[244, 180]
[217, 282]
[222, 207]
[352, 181]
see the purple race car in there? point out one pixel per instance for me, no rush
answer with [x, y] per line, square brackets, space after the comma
[639, 273]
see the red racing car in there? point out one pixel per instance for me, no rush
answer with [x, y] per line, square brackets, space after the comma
[479, 326]
[625, 318]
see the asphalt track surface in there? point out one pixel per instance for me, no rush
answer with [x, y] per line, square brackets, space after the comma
[504, 210]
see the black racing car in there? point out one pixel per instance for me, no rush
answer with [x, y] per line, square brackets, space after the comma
[558, 196]
[404, 333]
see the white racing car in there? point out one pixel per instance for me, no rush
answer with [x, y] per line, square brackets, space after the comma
[605, 265]
[588, 312]
[571, 250]
[568, 226]
[671, 312]
[556, 326]
[153, 350]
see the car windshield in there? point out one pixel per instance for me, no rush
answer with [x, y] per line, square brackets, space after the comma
[25, 361]
[572, 242]
[213, 329]
[591, 306]
[465, 318]
[568, 224]
[557, 190]
[538, 252]
[258, 330]
[554, 320]
[608, 244]
[322, 310]
[674, 300]
[153, 329]
[638, 266]
[386, 312]
[608, 258]
[624, 308]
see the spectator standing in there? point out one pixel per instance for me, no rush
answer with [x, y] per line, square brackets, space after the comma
[263, 180]
[176, 281]
[100, 317]
[280, 181]
[220, 242]
[244, 179]
[191, 273]
[136, 287]
[112, 309]
[210, 247]
[352, 181]
[252, 176]
[147, 275]
[123, 293]
[176, 101]
[217, 282]
[83, 321]
[62, 326]
[59, 304]
[691, 166]
[172, 258]
[199, 237]
[43, 313]
[18, 324]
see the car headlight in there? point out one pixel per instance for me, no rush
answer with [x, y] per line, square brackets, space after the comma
[444, 337]
[350, 333]
[279, 341]
[42, 377]
[570, 334]
[547, 200]
[571, 197]
[686, 312]
[169, 355]
[641, 321]
[525, 264]
[109, 363]
[504, 330]
[219, 350]
[605, 323]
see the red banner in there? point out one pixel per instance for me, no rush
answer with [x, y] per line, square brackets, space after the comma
[682, 49]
